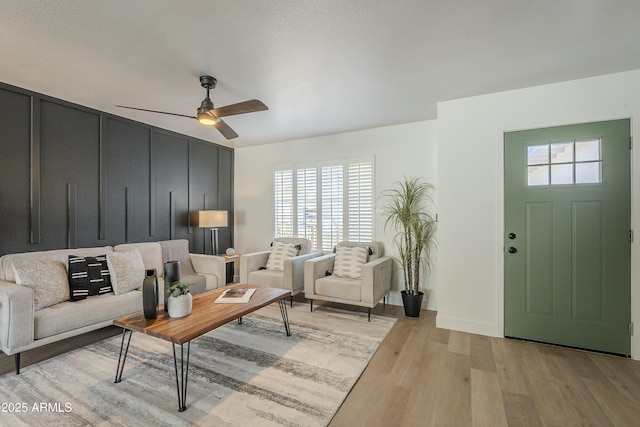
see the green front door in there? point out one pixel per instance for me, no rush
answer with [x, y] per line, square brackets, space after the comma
[567, 236]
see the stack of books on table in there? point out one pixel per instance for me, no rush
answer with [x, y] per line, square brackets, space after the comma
[235, 296]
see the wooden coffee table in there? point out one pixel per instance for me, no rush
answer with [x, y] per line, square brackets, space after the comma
[205, 317]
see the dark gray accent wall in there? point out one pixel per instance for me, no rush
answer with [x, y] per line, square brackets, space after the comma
[71, 176]
[15, 172]
[204, 178]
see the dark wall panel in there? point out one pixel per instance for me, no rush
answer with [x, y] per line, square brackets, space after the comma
[127, 151]
[170, 159]
[69, 165]
[76, 177]
[203, 178]
[14, 171]
[225, 195]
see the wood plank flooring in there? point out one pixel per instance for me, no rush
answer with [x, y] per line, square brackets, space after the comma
[425, 376]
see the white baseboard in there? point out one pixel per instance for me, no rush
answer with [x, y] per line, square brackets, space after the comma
[472, 327]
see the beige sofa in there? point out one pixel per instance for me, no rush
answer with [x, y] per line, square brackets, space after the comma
[23, 327]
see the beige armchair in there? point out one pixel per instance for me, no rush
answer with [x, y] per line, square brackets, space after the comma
[254, 272]
[372, 285]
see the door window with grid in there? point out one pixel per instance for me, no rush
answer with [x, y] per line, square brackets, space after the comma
[562, 163]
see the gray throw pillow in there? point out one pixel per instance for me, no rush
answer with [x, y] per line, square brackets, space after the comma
[126, 270]
[48, 279]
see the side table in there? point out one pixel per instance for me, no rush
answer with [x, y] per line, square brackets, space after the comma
[230, 259]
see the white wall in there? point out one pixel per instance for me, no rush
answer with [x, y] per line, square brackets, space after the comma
[401, 150]
[470, 187]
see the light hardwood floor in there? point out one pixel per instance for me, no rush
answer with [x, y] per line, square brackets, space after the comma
[425, 376]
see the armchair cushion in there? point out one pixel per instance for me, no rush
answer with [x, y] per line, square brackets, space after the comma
[342, 288]
[280, 252]
[349, 261]
[269, 278]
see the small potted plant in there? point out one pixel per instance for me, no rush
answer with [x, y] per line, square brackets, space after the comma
[180, 300]
[407, 212]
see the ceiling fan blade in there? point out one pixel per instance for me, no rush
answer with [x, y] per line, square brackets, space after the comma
[250, 106]
[225, 129]
[159, 112]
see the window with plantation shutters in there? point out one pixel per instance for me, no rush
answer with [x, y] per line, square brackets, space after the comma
[326, 203]
[283, 202]
[332, 205]
[360, 201]
[307, 204]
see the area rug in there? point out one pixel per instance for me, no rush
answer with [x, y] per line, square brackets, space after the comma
[239, 375]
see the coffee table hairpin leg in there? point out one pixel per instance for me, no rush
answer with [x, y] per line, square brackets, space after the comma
[120, 367]
[182, 379]
[285, 318]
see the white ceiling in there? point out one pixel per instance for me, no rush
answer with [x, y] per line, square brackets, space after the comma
[322, 67]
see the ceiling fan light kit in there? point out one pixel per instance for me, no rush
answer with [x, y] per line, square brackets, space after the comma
[208, 115]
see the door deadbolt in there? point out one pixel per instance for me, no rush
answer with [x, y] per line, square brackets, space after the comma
[512, 250]
[512, 236]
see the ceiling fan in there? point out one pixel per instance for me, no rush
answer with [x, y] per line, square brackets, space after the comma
[210, 116]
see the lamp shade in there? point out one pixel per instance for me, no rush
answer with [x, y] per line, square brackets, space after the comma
[212, 219]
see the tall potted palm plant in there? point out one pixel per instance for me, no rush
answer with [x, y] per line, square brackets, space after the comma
[406, 211]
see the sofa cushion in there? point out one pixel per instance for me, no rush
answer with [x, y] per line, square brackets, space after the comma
[60, 255]
[335, 287]
[127, 271]
[88, 276]
[68, 315]
[47, 279]
[151, 253]
[178, 250]
[349, 261]
[197, 284]
[280, 252]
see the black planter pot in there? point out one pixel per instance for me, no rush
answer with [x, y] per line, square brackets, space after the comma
[412, 303]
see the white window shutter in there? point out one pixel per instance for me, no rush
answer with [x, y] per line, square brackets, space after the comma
[307, 204]
[360, 201]
[332, 210]
[283, 203]
[325, 203]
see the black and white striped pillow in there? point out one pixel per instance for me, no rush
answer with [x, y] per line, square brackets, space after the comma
[349, 261]
[88, 276]
[279, 252]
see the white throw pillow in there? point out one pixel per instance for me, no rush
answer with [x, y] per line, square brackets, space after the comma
[126, 270]
[279, 252]
[48, 279]
[349, 261]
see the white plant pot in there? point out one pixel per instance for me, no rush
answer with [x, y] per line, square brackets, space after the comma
[180, 306]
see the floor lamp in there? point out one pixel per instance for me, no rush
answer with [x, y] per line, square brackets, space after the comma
[213, 220]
